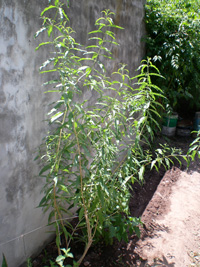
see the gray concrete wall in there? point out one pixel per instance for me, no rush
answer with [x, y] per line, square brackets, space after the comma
[22, 109]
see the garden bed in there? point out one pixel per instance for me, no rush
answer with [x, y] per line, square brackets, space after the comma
[152, 202]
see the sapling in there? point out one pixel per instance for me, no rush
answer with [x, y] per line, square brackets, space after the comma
[93, 153]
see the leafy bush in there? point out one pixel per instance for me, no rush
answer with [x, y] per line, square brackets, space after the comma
[173, 36]
[94, 152]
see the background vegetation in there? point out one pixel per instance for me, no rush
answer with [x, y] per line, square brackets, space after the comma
[173, 37]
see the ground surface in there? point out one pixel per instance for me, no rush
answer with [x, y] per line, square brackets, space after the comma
[172, 233]
[169, 205]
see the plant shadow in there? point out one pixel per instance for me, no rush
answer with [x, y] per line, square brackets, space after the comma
[164, 263]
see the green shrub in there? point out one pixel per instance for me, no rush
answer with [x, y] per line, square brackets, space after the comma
[94, 153]
[173, 36]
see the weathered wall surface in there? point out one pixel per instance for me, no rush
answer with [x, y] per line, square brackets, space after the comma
[22, 109]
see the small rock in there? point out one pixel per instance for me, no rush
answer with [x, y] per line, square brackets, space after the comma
[86, 263]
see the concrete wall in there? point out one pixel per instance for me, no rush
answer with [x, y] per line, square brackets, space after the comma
[22, 109]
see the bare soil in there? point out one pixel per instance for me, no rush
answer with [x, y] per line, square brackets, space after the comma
[169, 206]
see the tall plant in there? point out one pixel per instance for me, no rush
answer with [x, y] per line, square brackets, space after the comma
[173, 36]
[83, 155]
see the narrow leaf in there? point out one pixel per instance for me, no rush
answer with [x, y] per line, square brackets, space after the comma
[45, 168]
[4, 263]
[47, 8]
[56, 116]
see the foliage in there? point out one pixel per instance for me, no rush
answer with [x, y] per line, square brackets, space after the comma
[4, 263]
[61, 258]
[173, 35]
[29, 262]
[194, 149]
[89, 157]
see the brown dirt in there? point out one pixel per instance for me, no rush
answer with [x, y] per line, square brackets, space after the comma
[172, 230]
[169, 206]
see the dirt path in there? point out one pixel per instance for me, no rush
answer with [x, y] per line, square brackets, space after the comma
[172, 222]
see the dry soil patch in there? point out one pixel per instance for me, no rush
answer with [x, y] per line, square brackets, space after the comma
[171, 235]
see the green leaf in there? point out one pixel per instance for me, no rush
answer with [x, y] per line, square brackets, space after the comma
[49, 31]
[40, 31]
[52, 264]
[81, 214]
[64, 14]
[193, 154]
[64, 188]
[4, 263]
[137, 231]
[86, 151]
[60, 260]
[58, 241]
[92, 46]
[191, 149]
[95, 38]
[67, 252]
[141, 173]
[43, 201]
[55, 179]
[82, 68]
[88, 71]
[153, 163]
[167, 163]
[96, 31]
[56, 116]
[111, 34]
[56, 3]
[41, 44]
[51, 82]
[45, 168]
[46, 9]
